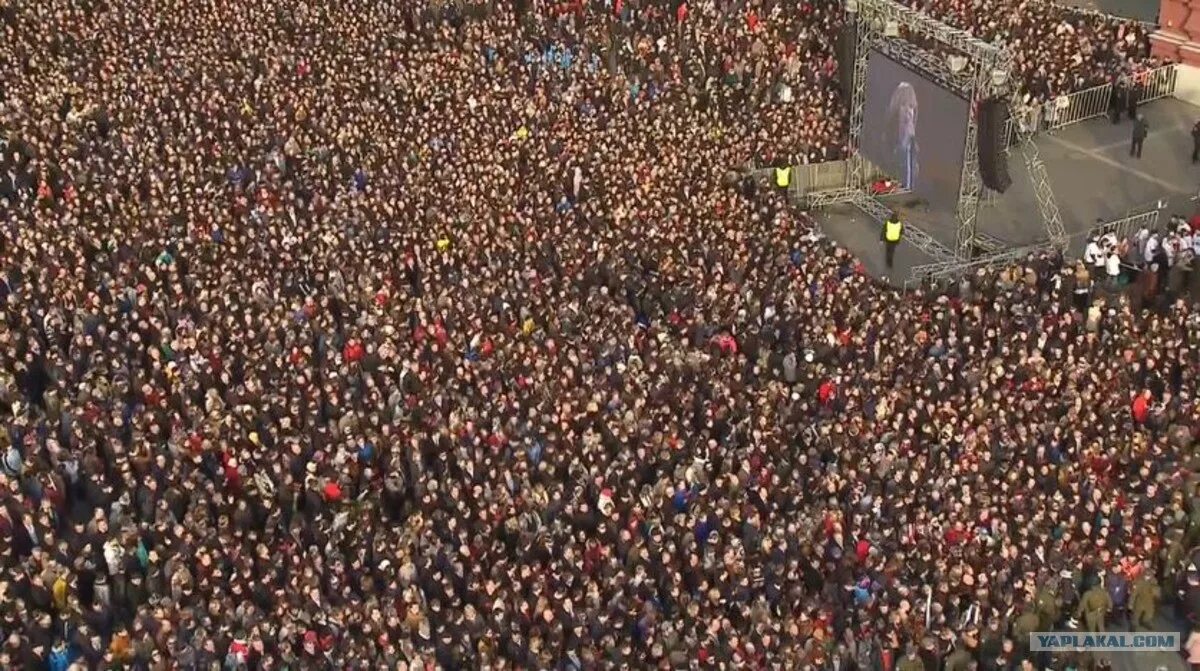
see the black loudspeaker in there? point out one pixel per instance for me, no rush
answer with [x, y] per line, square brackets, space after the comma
[847, 44]
[993, 162]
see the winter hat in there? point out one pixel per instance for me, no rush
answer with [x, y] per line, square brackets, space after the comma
[12, 464]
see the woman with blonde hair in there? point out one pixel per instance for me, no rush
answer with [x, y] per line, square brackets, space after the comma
[901, 133]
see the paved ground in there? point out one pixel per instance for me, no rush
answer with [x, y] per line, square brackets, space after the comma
[860, 234]
[1148, 661]
[1139, 10]
[1092, 175]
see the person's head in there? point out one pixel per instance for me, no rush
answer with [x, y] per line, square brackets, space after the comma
[902, 112]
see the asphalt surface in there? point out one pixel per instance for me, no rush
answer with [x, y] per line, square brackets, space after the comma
[1139, 10]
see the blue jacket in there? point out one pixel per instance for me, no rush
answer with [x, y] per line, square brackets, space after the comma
[59, 659]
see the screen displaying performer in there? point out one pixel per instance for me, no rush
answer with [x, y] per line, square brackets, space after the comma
[914, 130]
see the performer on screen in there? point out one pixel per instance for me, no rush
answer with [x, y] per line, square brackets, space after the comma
[902, 132]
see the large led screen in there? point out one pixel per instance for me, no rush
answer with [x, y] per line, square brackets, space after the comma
[914, 130]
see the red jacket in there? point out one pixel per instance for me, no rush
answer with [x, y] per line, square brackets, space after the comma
[862, 549]
[233, 478]
[827, 391]
[752, 21]
[1141, 409]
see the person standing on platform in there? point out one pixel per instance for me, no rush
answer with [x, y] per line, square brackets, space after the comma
[1140, 130]
[890, 235]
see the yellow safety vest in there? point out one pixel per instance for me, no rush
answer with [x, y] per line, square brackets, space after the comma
[891, 231]
[783, 177]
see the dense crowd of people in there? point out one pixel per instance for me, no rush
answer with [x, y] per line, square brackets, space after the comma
[1149, 261]
[1058, 49]
[417, 335]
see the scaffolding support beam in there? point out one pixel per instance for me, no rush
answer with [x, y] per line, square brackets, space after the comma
[1056, 231]
[907, 35]
[912, 23]
[944, 270]
[866, 34]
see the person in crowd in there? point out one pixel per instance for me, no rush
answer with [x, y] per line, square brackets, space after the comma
[398, 335]
[1116, 99]
[1141, 128]
[1196, 142]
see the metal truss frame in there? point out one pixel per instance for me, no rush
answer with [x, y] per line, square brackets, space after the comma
[878, 211]
[1056, 231]
[867, 33]
[944, 270]
[930, 64]
[985, 73]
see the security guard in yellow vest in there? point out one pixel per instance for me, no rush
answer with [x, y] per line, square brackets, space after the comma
[890, 235]
[783, 177]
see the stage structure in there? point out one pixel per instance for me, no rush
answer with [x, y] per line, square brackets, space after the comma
[1056, 231]
[955, 60]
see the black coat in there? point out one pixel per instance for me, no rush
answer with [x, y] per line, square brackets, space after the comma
[1140, 129]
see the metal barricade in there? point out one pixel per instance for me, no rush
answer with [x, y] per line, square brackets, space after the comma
[1125, 227]
[808, 177]
[1079, 106]
[1157, 83]
[946, 270]
[1090, 103]
[1094, 102]
[822, 176]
